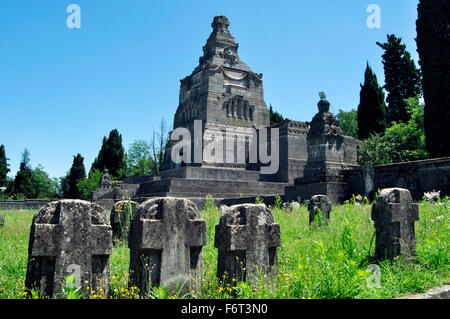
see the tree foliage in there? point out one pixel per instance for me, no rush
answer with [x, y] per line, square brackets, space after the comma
[77, 173]
[23, 183]
[402, 78]
[139, 159]
[433, 46]
[348, 122]
[275, 117]
[4, 167]
[371, 109]
[401, 142]
[159, 143]
[146, 159]
[87, 185]
[44, 187]
[111, 155]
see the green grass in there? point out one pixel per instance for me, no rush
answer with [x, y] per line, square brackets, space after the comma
[321, 262]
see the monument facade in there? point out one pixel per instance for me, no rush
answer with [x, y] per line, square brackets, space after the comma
[222, 143]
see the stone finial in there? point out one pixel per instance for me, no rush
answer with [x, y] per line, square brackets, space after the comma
[324, 123]
[120, 217]
[69, 237]
[220, 24]
[323, 106]
[247, 239]
[166, 239]
[322, 203]
[322, 95]
[394, 215]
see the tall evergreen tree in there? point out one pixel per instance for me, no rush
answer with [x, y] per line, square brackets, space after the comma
[23, 182]
[111, 155]
[371, 108]
[4, 170]
[77, 173]
[433, 46]
[275, 117]
[402, 78]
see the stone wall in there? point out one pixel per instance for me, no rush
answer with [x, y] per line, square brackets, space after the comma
[417, 176]
[22, 204]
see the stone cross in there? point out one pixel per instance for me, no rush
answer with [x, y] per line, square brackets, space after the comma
[166, 240]
[121, 215]
[394, 215]
[319, 202]
[69, 237]
[247, 239]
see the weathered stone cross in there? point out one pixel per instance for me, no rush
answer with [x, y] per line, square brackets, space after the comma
[69, 237]
[166, 240]
[246, 238]
[394, 215]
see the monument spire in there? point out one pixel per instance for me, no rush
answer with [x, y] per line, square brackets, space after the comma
[220, 41]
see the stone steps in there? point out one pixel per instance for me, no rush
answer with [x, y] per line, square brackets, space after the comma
[201, 188]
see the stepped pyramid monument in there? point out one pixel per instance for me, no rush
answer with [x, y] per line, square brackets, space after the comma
[222, 143]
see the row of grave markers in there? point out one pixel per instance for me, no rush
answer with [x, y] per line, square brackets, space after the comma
[167, 235]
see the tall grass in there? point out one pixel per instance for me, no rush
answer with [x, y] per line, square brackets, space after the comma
[328, 261]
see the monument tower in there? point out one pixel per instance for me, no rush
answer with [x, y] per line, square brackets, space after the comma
[222, 92]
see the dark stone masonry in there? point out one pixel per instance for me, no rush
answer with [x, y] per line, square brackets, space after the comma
[166, 239]
[226, 97]
[394, 215]
[69, 237]
[247, 239]
[319, 203]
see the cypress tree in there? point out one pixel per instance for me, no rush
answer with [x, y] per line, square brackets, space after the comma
[4, 170]
[275, 117]
[23, 182]
[433, 46]
[77, 172]
[402, 78]
[111, 155]
[371, 108]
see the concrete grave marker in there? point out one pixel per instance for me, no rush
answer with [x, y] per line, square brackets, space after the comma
[166, 240]
[322, 203]
[247, 239]
[69, 237]
[394, 215]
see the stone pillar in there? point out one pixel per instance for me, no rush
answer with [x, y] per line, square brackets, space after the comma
[322, 203]
[166, 240]
[120, 217]
[394, 215]
[247, 239]
[368, 174]
[69, 237]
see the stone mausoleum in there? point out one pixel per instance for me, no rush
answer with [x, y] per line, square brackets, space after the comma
[223, 101]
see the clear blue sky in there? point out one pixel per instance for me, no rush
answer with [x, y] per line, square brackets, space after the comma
[62, 90]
